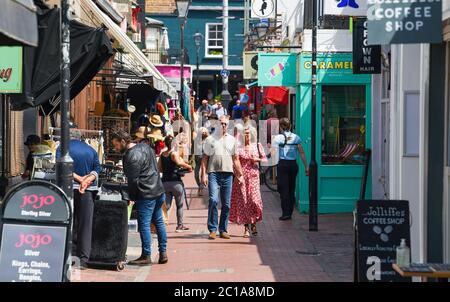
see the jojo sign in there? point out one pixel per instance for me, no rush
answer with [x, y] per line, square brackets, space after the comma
[404, 21]
[277, 69]
[10, 69]
[34, 233]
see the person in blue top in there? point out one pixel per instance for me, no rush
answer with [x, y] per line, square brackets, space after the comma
[238, 110]
[289, 148]
[86, 168]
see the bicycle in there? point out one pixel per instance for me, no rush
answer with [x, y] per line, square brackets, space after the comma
[269, 177]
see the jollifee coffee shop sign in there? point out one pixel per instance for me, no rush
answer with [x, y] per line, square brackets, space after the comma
[404, 21]
[10, 69]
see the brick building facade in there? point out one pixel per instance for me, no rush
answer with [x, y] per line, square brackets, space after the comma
[160, 6]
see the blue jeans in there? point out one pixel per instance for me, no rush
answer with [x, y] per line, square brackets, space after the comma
[219, 182]
[150, 210]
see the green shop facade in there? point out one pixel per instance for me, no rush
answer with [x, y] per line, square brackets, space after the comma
[343, 130]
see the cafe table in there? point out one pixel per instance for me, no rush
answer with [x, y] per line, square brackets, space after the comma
[441, 275]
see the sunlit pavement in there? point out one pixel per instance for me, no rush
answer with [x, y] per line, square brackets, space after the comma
[282, 251]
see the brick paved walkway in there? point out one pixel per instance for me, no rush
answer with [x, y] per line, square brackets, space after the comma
[283, 251]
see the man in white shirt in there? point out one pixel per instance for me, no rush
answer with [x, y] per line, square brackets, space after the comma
[219, 163]
[220, 110]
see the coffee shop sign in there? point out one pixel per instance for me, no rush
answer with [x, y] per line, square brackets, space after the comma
[404, 18]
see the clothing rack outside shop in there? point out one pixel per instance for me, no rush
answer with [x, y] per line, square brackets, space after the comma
[86, 134]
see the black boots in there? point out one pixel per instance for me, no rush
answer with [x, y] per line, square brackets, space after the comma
[141, 261]
[163, 258]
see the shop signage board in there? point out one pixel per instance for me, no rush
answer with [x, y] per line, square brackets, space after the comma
[262, 9]
[10, 69]
[380, 226]
[406, 21]
[366, 58]
[331, 68]
[345, 7]
[250, 65]
[173, 74]
[34, 230]
[277, 69]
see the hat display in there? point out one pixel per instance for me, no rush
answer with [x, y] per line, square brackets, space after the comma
[156, 121]
[142, 132]
[156, 133]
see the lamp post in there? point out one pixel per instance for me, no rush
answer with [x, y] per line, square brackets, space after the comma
[64, 165]
[313, 202]
[198, 37]
[182, 9]
[225, 96]
[261, 29]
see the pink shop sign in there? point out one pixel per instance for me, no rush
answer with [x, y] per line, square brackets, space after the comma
[173, 71]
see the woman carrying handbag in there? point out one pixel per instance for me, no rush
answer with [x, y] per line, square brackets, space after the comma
[246, 202]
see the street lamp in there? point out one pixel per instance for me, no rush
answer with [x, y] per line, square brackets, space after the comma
[198, 38]
[182, 9]
[261, 29]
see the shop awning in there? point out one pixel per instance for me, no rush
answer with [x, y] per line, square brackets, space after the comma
[107, 8]
[18, 23]
[159, 81]
[90, 48]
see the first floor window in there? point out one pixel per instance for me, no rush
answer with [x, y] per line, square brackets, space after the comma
[214, 40]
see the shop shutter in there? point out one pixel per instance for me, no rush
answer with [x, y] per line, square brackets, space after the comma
[16, 146]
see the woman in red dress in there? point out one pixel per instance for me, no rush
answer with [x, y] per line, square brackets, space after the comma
[246, 201]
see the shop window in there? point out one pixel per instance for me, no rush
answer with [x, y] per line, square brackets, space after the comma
[343, 124]
[411, 124]
[214, 40]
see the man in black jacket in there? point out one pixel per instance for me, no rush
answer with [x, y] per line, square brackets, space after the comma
[146, 189]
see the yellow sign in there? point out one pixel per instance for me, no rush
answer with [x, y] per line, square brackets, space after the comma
[330, 65]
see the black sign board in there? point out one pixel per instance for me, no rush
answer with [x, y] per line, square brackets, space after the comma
[404, 21]
[34, 230]
[32, 253]
[380, 226]
[366, 58]
[36, 201]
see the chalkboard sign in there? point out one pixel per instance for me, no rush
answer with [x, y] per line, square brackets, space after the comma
[34, 228]
[32, 253]
[380, 226]
[37, 201]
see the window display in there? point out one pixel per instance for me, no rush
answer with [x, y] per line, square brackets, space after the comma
[343, 124]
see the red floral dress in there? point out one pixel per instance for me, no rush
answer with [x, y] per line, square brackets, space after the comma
[246, 202]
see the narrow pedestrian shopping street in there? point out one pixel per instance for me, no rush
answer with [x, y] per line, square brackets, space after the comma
[282, 251]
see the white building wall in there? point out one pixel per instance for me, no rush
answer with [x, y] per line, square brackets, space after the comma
[409, 73]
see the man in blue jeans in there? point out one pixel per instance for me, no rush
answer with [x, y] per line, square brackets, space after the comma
[218, 164]
[146, 189]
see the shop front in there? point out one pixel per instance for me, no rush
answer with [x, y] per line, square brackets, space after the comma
[343, 130]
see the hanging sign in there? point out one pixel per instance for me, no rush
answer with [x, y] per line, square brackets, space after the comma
[345, 7]
[250, 65]
[35, 220]
[263, 9]
[366, 58]
[405, 21]
[10, 69]
[277, 69]
[380, 226]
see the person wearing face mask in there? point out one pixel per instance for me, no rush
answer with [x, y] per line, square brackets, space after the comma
[289, 149]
